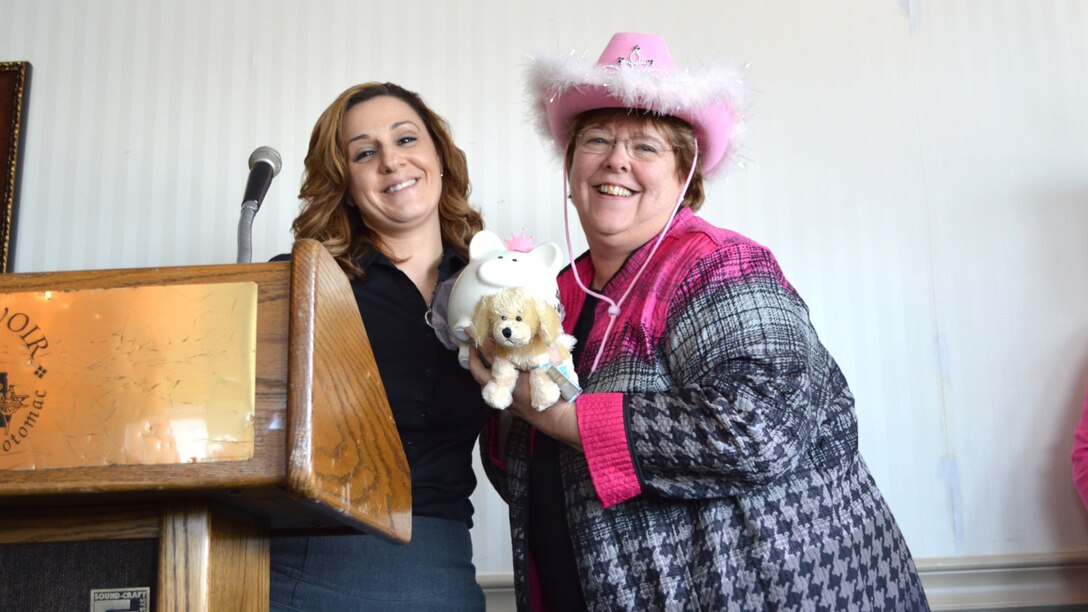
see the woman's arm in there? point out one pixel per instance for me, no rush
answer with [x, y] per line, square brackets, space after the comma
[751, 385]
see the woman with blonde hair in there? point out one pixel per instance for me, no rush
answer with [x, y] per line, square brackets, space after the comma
[386, 191]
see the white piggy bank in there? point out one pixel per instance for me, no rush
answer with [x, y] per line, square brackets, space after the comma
[491, 268]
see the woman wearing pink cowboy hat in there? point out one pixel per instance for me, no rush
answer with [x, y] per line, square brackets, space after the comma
[711, 462]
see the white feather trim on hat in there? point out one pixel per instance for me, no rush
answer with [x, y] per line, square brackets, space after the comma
[661, 92]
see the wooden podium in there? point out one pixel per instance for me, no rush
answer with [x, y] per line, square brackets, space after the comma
[325, 455]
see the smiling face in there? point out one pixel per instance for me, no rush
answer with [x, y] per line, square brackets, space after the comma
[394, 170]
[625, 193]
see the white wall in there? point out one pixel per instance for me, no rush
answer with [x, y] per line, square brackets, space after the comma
[926, 192]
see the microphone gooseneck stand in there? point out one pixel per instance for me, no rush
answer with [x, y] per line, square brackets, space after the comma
[245, 231]
[264, 163]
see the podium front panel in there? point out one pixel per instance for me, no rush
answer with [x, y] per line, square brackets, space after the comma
[127, 376]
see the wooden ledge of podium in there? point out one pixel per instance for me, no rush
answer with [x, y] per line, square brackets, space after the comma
[327, 455]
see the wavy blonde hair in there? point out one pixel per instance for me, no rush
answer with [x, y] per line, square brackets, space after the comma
[327, 213]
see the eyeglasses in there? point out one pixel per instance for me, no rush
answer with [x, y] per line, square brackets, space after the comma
[641, 148]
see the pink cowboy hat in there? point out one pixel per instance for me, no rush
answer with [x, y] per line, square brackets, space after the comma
[636, 71]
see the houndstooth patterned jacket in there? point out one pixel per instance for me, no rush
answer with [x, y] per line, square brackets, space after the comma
[720, 467]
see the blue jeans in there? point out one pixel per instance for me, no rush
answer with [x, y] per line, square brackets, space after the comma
[359, 572]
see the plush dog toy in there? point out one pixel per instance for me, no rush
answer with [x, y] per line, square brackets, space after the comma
[528, 335]
[494, 266]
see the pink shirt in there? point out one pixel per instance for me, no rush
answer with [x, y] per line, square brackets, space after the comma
[1080, 454]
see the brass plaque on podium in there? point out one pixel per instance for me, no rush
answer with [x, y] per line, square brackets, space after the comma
[127, 376]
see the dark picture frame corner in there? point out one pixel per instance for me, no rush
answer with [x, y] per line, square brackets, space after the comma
[14, 97]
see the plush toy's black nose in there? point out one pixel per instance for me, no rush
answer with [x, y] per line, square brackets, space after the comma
[506, 332]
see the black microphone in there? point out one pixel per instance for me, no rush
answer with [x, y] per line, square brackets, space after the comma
[264, 164]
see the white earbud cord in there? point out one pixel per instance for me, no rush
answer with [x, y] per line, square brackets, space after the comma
[614, 307]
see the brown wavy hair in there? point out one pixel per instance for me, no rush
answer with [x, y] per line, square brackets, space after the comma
[327, 213]
[677, 132]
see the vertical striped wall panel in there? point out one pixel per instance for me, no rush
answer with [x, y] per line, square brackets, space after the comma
[926, 191]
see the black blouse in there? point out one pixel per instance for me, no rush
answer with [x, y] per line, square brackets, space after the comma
[435, 402]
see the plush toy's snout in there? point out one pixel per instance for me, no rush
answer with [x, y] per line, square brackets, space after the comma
[509, 333]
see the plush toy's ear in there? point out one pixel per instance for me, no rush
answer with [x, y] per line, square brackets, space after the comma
[550, 254]
[483, 243]
[481, 319]
[550, 325]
